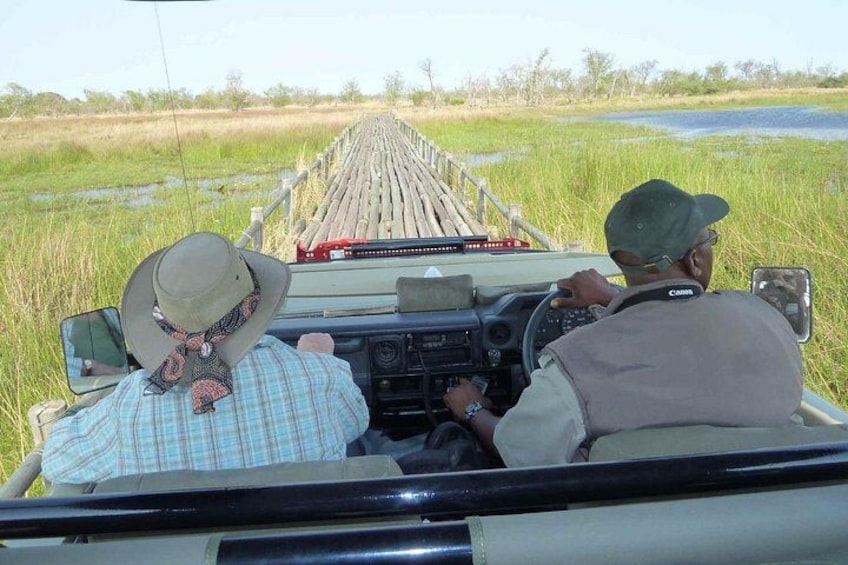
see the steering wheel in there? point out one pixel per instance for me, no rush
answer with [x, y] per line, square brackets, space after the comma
[529, 357]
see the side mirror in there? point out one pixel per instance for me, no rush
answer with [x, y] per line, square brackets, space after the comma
[95, 353]
[789, 290]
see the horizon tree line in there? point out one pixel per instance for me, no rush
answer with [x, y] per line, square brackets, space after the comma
[532, 83]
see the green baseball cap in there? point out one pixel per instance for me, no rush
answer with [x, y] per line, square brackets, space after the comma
[658, 222]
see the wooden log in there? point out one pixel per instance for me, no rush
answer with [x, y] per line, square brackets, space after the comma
[324, 228]
[374, 210]
[361, 228]
[413, 197]
[397, 210]
[432, 221]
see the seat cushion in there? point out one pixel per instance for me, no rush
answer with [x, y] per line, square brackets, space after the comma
[365, 467]
[689, 440]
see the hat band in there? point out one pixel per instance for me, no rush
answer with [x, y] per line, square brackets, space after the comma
[656, 267]
[211, 377]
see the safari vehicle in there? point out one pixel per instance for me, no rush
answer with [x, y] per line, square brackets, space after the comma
[410, 316]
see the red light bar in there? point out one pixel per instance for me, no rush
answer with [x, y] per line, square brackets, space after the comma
[359, 248]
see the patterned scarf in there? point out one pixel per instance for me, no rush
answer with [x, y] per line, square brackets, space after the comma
[211, 377]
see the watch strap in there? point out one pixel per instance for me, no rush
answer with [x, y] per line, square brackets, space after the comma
[472, 409]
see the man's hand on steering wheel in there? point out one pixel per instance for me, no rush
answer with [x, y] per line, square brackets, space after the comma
[575, 293]
[587, 288]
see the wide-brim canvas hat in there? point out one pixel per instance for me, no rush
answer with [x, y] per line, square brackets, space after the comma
[658, 223]
[196, 281]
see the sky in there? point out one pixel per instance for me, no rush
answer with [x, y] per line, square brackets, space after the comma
[66, 46]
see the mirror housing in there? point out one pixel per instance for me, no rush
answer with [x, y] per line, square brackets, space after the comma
[789, 290]
[95, 351]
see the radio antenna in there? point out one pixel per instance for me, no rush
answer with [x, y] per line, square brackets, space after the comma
[174, 115]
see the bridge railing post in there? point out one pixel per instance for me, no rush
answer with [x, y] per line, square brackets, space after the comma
[513, 217]
[481, 199]
[257, 222]
[288, 203]
[463, 182]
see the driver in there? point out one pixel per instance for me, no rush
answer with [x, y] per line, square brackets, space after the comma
[663, 353]
[215, 391]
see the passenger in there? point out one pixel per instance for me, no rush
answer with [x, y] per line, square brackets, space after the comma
[215, 391]
[663, 352]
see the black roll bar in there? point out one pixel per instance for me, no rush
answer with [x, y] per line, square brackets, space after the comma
[443, 543]
[437, 496]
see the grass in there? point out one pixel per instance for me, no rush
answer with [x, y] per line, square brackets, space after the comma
[63, 254]
[56, 155]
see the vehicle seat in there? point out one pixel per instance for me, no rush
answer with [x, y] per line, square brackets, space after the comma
[690, 440]
[365, 467]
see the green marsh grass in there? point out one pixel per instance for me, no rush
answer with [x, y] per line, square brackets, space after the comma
[66, 255]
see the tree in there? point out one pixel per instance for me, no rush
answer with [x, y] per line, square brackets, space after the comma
[133, 100]
[833, 81]
[100, 101]
[351, 93]
[235, 94]
[158, 100]
[746, 68]
[15, 100]
[393, 87]
[418, 96]
[620, 79]
[670, 81]
[715, 78]
[312, 96]
[765, 74]
[209, 99]
[598, 69]
[826, 71]
[717, 72]
[505, 84]
[279, 95]
[642, 75]
[49, 103]
[426, 67]
[563, 84]
[537, 78]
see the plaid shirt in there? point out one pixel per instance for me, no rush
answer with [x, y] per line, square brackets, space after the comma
[286, 405]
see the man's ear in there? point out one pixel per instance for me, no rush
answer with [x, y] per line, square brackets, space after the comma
[693, 263]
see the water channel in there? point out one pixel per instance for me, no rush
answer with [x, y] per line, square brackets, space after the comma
[810, 122]
[775, 121]
[239, 187]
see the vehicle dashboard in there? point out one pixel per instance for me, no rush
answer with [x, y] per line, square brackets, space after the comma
[404, 361]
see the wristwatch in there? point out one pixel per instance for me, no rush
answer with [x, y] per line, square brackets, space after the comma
[472, 409]
[87, 366]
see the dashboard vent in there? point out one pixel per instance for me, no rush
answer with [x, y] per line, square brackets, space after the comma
[499, 334]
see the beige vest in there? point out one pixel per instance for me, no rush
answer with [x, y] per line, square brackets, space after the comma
[724, 358]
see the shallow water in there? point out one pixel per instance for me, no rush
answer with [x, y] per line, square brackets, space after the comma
[483, 159]
[800, 121]
[140, 196]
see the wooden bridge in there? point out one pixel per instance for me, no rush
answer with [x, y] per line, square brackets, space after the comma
[385, 190]
[382, 179]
